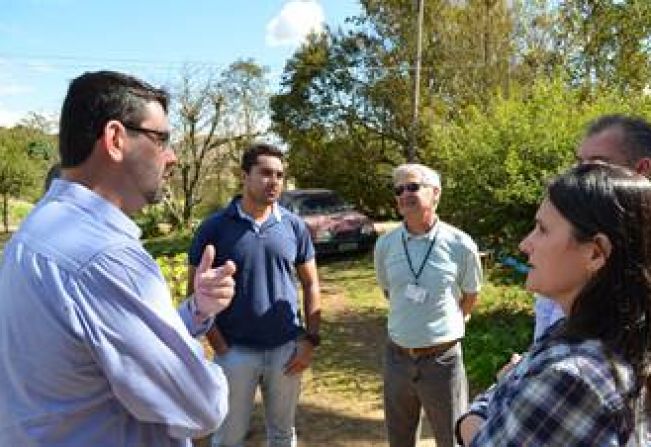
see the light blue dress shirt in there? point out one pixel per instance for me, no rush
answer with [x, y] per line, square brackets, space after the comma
[92, 352]
[546, 312]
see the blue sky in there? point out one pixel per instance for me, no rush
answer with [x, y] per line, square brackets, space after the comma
[45, 43]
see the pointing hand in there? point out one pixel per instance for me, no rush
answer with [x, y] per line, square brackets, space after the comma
[213, 287]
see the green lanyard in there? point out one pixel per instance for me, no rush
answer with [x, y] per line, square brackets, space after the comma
[422, 265]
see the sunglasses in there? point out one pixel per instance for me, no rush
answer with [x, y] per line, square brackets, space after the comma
[411, 187]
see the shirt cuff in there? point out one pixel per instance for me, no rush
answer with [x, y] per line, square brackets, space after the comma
[457, 426]
[196, 324]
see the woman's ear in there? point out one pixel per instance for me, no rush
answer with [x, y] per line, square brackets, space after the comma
[601, 249]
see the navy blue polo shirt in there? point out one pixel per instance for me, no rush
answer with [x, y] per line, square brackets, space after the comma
[264, 312]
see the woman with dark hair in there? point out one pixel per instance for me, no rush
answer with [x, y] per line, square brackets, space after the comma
[582, 382]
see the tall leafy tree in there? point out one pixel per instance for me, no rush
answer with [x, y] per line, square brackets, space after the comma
[349, 93]
[18, 171]
[506, 87]
[216, 115]
[606, 42]
[335, 112]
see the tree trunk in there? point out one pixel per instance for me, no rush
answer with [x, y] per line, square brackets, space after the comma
[5, 211]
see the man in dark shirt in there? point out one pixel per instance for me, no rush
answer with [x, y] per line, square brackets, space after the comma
[259, 340]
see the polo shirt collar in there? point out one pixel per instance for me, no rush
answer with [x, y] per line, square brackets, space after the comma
[236, 209]
[430, 235]
[275, 210]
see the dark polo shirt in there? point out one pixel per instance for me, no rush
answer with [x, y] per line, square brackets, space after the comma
[264, 313]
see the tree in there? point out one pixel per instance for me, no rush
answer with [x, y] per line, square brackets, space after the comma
[215, 117]
[40, 123]
[345, 96]
[334, 113]
[17, 171]
[507, 87]
[494, 163]
[606, 43]
[41, 132]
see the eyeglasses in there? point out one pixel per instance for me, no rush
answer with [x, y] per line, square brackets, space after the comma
[159, 137]
[411, 187]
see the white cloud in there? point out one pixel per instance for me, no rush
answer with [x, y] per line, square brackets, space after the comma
[9, 118]
[296, 20]
[11, 89]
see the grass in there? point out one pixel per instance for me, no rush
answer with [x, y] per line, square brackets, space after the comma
[354, 313]
[501, 324]
[18, 209]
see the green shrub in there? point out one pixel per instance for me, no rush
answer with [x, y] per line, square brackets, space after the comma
[18, 210]
[171, 244]
[501, 325]
[174, 268]
[154, 221]
[494, 162]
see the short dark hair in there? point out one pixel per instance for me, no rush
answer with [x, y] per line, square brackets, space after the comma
[615, 305]
[251, 154]
[53, 173]
[93, 99]
[636, 134]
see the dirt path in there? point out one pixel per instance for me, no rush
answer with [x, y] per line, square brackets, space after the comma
[341, 403]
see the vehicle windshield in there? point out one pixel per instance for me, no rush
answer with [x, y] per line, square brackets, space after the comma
[325, 204]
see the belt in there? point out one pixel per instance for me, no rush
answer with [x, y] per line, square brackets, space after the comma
[425, 351]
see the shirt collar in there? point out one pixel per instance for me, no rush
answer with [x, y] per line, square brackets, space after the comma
[100, 209]
[430, 235]
[552, 330]
[275, 211]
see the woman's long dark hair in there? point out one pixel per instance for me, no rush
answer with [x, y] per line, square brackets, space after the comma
[615, 305]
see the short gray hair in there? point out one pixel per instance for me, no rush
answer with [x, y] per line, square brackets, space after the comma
[427, 175]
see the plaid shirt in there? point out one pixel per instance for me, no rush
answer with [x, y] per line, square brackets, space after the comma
[560, 394]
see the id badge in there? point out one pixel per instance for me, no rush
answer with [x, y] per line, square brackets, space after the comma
[416, 293]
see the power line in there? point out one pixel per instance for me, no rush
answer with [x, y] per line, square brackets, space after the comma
[41, 57]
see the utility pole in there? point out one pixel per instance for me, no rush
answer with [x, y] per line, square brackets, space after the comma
[411, 153]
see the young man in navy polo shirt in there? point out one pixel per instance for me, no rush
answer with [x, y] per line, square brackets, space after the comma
[259, 340]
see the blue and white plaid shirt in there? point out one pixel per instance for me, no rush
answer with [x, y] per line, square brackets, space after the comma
[560, 394]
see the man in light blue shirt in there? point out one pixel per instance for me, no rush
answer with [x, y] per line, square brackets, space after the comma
[92, 353]
[431, 274]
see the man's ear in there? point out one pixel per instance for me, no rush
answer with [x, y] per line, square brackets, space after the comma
[113, 140]
[437, 194]
[601, 249]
